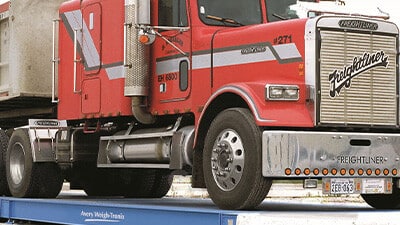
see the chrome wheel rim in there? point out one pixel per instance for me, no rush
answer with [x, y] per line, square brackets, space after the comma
[227, 160]
[17, 163]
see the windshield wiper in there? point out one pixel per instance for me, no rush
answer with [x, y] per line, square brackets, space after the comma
[224, 20]
[279, 16]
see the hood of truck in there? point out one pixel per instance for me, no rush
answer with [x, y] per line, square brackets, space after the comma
[270, 52]
[253, 57]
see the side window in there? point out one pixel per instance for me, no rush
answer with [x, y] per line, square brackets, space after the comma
[172, 13]
[183, 75]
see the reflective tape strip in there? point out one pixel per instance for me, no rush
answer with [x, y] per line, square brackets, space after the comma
[287, 51]
[73, 20]
[85, 40]
[201, 61]
[284, 53]
[169, 66]
[235, 57]
[115, 72]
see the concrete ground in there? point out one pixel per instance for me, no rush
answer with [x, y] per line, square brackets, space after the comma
[280, 191]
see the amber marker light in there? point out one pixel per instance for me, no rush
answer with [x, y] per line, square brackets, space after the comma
[301, 69]
[144, 39]
[358, 186]
[394, 172]
[377, 172]
[327, 186]
[352, 172]
[343, 172]
[297, 171]
[316, 171]
[369, 172]
[307, 171]
[325, 171]
[288, 171]
[386, 172]
[360, 172]
[334, 171]
[389, 186]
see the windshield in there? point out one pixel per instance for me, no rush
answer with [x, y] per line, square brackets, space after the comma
[230, 12]
[278, 10]
[240, 13]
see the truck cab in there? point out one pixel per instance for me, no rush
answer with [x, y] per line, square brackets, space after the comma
[235, 93]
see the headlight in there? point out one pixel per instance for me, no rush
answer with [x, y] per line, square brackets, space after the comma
[282, 92]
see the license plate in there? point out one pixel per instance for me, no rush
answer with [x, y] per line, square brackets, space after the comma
[342, 186]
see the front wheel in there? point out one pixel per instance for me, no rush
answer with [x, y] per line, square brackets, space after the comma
[232, 161]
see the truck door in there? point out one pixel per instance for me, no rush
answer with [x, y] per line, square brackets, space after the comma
[91, 61]
[171, 53]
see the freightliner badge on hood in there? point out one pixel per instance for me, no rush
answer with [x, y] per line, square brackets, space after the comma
[340, 79]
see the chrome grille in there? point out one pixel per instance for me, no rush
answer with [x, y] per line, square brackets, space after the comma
[372, 97]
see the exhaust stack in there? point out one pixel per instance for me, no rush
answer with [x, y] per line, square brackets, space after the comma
[137, 58]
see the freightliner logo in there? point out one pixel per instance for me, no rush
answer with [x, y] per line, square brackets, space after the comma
[340, 79]
[358, 24]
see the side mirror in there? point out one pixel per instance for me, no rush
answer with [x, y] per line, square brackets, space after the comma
[312, 14]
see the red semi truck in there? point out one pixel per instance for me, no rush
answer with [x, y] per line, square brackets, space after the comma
[235, 93]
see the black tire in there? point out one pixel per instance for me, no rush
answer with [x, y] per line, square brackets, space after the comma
[140, 183]
[3, 151]
[96, 182]
[149, 183]
[381, 201]
[162, 183]
[232, 161]
[95, 185]
[26, 178]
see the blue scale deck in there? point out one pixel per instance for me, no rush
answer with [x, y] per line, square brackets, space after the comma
[178, 211]
[116, 211]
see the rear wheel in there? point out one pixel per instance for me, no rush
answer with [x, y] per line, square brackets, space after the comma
[149, 183]
[381, 201]
[232, 161]
[95, 182]
[134, 183]
[3, 151]
[26, 178]
[162, 184]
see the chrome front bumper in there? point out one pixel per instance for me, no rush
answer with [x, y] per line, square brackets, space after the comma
[330, 154]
